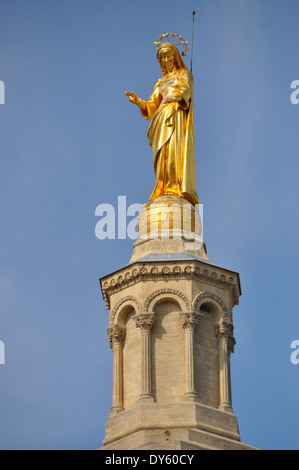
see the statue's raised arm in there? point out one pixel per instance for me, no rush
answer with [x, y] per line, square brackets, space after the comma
[171, 132]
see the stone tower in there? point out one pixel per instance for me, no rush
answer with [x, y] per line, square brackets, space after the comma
[171, 335]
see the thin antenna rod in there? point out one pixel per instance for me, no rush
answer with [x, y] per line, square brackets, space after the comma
[193, 14]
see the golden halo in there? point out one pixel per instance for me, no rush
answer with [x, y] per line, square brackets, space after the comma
[168, 37]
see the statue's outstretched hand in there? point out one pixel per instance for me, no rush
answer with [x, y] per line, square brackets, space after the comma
[132, 97]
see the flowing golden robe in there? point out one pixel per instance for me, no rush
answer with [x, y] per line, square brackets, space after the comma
[171, 135]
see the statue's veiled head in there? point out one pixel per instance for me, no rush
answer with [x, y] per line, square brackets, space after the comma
[169, 56]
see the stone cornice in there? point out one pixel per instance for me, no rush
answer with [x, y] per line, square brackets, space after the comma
[171, 270]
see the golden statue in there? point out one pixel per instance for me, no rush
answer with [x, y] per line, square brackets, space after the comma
[171, 132]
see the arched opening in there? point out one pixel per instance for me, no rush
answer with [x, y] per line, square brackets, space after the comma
[210, 307]
[131, 361]
[122, 308]
[206, 356]
[168, 353]
[163, 295]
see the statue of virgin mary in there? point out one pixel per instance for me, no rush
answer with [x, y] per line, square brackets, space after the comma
[171, 131]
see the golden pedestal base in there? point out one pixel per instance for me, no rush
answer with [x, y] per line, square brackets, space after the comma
[169, 224]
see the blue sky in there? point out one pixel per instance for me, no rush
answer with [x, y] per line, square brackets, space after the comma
[70, 140]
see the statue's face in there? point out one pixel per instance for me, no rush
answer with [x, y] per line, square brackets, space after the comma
[167, 58]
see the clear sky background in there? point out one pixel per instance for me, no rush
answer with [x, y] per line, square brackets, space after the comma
[70, 140]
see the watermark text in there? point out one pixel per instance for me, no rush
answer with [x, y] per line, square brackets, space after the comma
[295, 94]
[111, 217]
[2, 353]
[295, 354]
[165, 220]
[2, 92]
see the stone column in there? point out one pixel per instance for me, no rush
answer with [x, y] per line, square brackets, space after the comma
[189, 321]
[226, 342]
[116, 336]
[144, 321]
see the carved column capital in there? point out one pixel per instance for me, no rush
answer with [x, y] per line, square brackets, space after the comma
[224, 331]
[144, 321]
[116, 335]
[189, 320]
